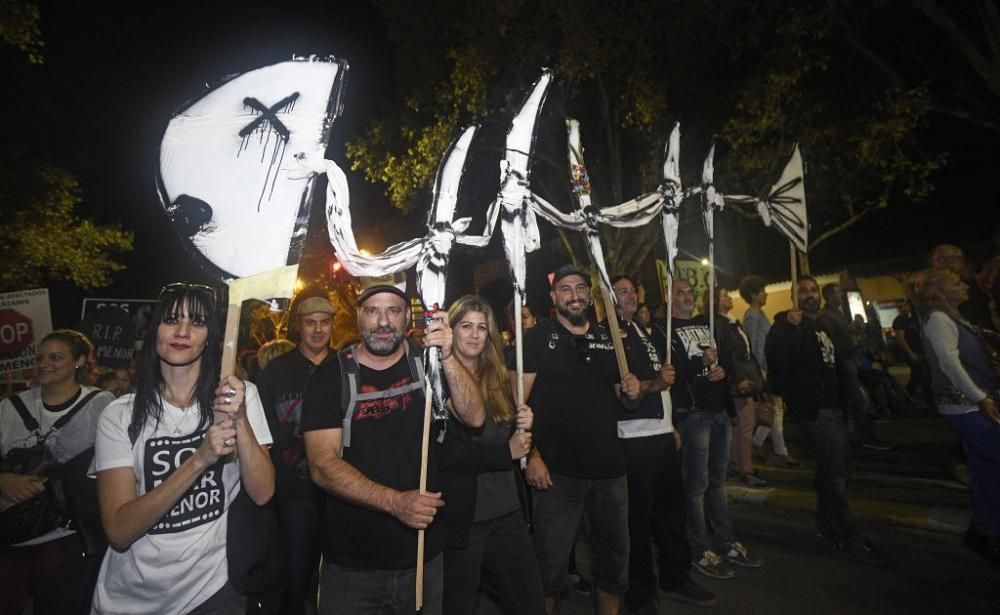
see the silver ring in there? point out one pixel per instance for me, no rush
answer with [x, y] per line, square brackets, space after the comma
[230, 393]
[227, 442]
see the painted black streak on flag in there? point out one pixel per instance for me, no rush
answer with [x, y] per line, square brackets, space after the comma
[783, 215]
[265, 124]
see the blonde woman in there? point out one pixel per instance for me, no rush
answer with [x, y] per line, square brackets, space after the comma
[60, 548]
[498, 538]
[965, 384]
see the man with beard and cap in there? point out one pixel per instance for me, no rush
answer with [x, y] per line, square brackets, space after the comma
[656, 509]
[297, 501]
[802, 368]
[700, 400]
[363, 420]
[577, 466]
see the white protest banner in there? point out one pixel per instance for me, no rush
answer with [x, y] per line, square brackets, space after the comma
[25, 319]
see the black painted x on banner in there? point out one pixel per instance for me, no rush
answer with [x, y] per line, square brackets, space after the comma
[268, 114]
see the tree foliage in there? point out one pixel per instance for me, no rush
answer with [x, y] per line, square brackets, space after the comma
[756, 76]
[19, 28]
[961, 66]
[43, 239]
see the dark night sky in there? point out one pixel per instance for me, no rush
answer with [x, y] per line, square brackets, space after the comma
[112, 78]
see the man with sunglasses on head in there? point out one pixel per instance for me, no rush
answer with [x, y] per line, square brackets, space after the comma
[362, 421]
[577, 466]
[699, 400]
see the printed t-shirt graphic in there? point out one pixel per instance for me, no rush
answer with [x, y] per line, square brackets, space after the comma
[694, 338]
[376, 409]
[202, 502]
[826, 348]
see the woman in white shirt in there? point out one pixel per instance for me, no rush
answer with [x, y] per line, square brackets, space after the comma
[170, 459]
[965, 385]
[61, 412]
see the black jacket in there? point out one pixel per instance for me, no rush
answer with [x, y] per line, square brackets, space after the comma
[736, 357]
[462, 460]
[796, 370]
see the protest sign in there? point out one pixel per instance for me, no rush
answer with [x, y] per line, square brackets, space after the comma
[139, 310]
[112, 333]
[25, 319]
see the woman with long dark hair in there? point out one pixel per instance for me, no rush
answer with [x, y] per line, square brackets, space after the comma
[498, 540]
[965, 385]
[170, 460]
[60, 414]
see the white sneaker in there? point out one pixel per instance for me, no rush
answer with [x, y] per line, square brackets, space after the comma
[711, 565]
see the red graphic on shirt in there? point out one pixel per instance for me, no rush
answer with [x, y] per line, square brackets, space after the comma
[380, 408]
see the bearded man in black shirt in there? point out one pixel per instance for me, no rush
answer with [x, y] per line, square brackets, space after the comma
[362, 422]
[577, 466]
[802, 368]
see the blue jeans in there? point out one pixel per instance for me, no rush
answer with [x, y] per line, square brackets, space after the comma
[827, 437]
[366, 591]
[982, 450]
[502, 546]
[557, 512]
[705, 441]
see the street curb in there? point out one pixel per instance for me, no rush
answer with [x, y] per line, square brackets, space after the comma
[932, 518]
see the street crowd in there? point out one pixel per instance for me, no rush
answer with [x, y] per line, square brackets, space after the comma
[142, 504]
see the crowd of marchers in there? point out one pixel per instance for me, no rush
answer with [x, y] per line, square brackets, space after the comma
[147, 503]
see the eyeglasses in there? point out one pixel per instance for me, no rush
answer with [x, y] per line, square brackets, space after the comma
[582, 347]
[177, 288]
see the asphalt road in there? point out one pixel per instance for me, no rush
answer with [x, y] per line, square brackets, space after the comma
[928, 574]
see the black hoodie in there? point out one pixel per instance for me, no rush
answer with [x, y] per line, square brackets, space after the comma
[802, 366]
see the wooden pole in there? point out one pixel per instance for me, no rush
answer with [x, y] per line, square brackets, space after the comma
[711, 286]
[795, 276]
[519, 354]
[230, 337]
[424, 445]
[670, 312]
[616, 334]
[519, 344]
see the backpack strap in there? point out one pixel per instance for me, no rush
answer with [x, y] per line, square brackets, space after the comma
[79, 406]
[349, 384]
[30, 423]
[348, 389]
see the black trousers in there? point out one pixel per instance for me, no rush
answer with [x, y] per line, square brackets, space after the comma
[826, 435]
[299, 525]
[656, 512]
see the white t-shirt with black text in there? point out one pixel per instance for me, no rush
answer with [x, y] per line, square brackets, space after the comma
[180, 561]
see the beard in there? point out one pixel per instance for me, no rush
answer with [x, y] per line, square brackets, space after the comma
[810, 306]
[577, 319]
[382, 348]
